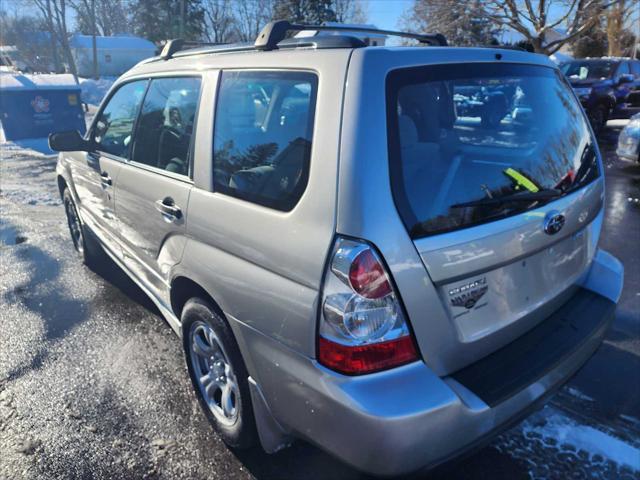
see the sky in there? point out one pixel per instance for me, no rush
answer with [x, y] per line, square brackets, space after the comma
[384, 14]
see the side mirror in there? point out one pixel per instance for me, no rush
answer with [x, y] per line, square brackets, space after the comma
[69, 141]
[625, 78]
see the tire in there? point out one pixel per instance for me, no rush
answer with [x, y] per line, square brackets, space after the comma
[231, 412]
[598, 118]
[83, 245]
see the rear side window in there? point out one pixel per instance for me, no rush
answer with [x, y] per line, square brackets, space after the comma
[114, 126]
[164, 130]
[262, 136]
[472, 145]
[623, 69]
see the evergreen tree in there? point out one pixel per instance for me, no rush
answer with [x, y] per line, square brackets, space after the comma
[461, 21]
[158, 20]
[304, 11]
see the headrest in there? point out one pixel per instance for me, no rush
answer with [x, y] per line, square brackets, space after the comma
[408, 131]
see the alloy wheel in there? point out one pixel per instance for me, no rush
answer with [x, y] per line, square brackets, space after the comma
[214, 374]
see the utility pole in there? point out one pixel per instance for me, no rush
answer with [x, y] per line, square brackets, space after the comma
[182, 17]
[94, 42]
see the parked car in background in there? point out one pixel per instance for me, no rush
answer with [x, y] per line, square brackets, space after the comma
[629, 140]
[347, 259]
[602, 85]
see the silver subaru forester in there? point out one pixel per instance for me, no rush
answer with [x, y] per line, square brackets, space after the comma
[389, 252]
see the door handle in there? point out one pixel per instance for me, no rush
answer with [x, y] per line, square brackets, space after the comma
[169, 210]
[105, 180]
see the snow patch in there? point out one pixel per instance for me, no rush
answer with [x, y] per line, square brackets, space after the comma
[574, 392]
[595, 442]
[93, 91]
[47, 81]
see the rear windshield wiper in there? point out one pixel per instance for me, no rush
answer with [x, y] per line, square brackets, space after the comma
[546, 194]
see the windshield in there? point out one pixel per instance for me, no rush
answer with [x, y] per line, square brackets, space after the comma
[459, 135]
[588, 70]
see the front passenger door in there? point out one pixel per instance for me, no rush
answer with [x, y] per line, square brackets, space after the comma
[96, 172]
[154, 186]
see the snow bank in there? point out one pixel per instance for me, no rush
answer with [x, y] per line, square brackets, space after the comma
[93, 91]
[32, 146]
[45, 81]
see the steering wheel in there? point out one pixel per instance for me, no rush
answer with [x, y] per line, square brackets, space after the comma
[176, 137]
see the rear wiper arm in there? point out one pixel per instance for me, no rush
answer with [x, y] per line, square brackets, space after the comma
[546, 194]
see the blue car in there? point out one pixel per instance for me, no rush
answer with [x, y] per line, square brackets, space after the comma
[603, 85]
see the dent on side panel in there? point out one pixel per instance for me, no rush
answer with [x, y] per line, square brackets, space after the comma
[266, 301]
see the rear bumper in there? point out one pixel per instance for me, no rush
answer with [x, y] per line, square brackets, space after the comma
[401, 420]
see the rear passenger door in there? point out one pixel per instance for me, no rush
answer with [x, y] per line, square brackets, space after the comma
[154, 186]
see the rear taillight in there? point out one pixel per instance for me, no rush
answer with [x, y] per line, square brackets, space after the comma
[362, 324]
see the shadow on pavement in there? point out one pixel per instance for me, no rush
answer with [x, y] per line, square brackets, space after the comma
[105, 267]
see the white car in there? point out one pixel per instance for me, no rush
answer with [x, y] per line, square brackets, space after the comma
[629, 140]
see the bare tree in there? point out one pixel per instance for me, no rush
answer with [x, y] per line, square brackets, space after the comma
[46, 10]
[251, 16]
[351, 11]
[617, 18]
[533, 19]
[220, 23]
[86, 13]
[110, 16]
[54, 13]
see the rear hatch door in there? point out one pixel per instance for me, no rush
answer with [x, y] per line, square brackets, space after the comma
[497, 179]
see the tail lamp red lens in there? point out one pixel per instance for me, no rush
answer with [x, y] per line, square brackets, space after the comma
[358, 360]
[362, 323]
[367, 276]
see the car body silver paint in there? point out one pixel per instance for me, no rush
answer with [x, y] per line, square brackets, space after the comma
[264, 267]
[95, 198]
[152, 244]
[605, 276]
[364, 422]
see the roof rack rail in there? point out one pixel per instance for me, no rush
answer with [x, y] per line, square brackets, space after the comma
[275, 32]
[177, 44]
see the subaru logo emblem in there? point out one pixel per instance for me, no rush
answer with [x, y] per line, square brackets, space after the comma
[553, 223]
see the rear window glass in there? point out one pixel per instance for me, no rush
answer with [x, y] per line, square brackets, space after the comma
[472, 145]
[589, 69]
[262, 136]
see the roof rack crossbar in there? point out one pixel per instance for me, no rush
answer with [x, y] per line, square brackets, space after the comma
[275, 32]
[173, 46]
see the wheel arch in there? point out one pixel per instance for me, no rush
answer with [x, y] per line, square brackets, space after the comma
[271, 434]
[183, 288]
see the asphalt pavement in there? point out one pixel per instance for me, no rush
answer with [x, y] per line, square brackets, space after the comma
[93, 382]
